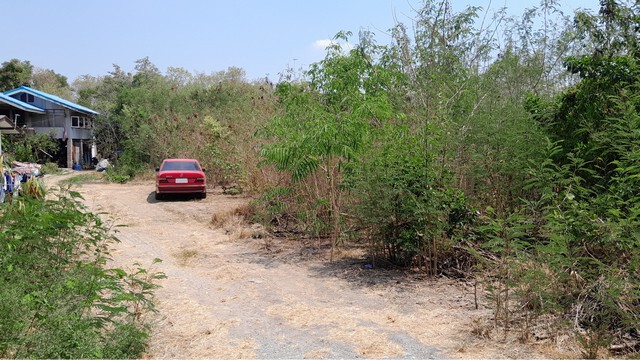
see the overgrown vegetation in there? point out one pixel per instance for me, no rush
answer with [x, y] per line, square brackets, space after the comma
[34, 148]
[502, 149]
[445, 123]
[58, 299]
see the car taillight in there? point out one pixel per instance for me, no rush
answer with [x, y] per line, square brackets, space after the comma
[163, 180]
[200, 179]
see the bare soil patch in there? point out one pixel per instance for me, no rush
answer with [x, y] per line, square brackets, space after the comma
[232, 293]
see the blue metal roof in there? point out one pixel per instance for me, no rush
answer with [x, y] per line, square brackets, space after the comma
[20, 104]
[52, 98]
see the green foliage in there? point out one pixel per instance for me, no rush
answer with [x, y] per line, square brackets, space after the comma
[611, 32]
[121, 173]
[497, 140]
[329, 122]
[467, 104]
[34, 188]
[587, 186]
[58, 300]
[330, 118]
[51, 82]
[147, 117]
[31, 148]
[586, 218]
[14, 73]
[560, 172]
[274, 208]
[396, 145]
[50, 168]
[408, 216]
[509, 237]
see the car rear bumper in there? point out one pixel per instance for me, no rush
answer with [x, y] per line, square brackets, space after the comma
[181, 189]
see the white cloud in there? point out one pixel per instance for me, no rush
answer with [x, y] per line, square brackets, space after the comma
[323, 44]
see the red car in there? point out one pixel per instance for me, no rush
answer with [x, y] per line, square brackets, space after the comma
[180, 176]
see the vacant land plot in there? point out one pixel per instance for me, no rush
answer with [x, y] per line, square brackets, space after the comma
[231, 294]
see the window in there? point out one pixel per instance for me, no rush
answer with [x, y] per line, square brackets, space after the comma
[180, 165]
[27, 97]
[81, 122]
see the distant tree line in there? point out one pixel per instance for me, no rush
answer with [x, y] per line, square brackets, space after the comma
[15, 73]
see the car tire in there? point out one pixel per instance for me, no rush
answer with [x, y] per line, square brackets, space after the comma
[203, 195]
[159, 196]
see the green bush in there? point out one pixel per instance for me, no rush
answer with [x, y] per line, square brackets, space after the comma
[407, 215]
[50, 169]
[57, 299]
[120, 173]
[573, 250]
[32, 147]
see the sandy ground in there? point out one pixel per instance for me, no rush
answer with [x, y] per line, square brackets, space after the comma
[230, 295]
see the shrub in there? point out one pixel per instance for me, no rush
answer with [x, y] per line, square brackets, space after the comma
[50, 169]
[120, 173]
[57, 299]
[408, 217]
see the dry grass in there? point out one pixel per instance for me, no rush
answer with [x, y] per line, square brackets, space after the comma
[226, 218]
[184, 256]
[318, 354]
[146, 176]
[83, 177]
[199, 332]
[369, 343]
[344, 326]
[481, 327]
[233, 222]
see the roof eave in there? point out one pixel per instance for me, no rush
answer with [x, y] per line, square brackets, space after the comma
[22, 107]
[45, 96]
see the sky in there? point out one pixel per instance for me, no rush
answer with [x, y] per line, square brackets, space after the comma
[263, 37]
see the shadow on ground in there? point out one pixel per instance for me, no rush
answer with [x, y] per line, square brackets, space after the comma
[151, 198]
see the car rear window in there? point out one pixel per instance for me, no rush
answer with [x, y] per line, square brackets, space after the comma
[180, 165]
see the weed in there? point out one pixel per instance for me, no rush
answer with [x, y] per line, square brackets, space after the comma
[83, 178]
[481, 328]
[593, 342]
[50, 168]
[184, 256]
[120, 174]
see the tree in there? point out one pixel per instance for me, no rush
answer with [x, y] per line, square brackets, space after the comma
[580, 118]
[329, 121]
[15, 73]
[583, 207]
[51, 82]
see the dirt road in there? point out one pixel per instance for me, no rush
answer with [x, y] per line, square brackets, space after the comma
[228, 295]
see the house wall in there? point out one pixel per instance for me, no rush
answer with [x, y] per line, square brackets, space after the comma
[42, 103]
[54, 123]
[53, 118]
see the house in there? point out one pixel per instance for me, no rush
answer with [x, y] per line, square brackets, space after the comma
[42, 113]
